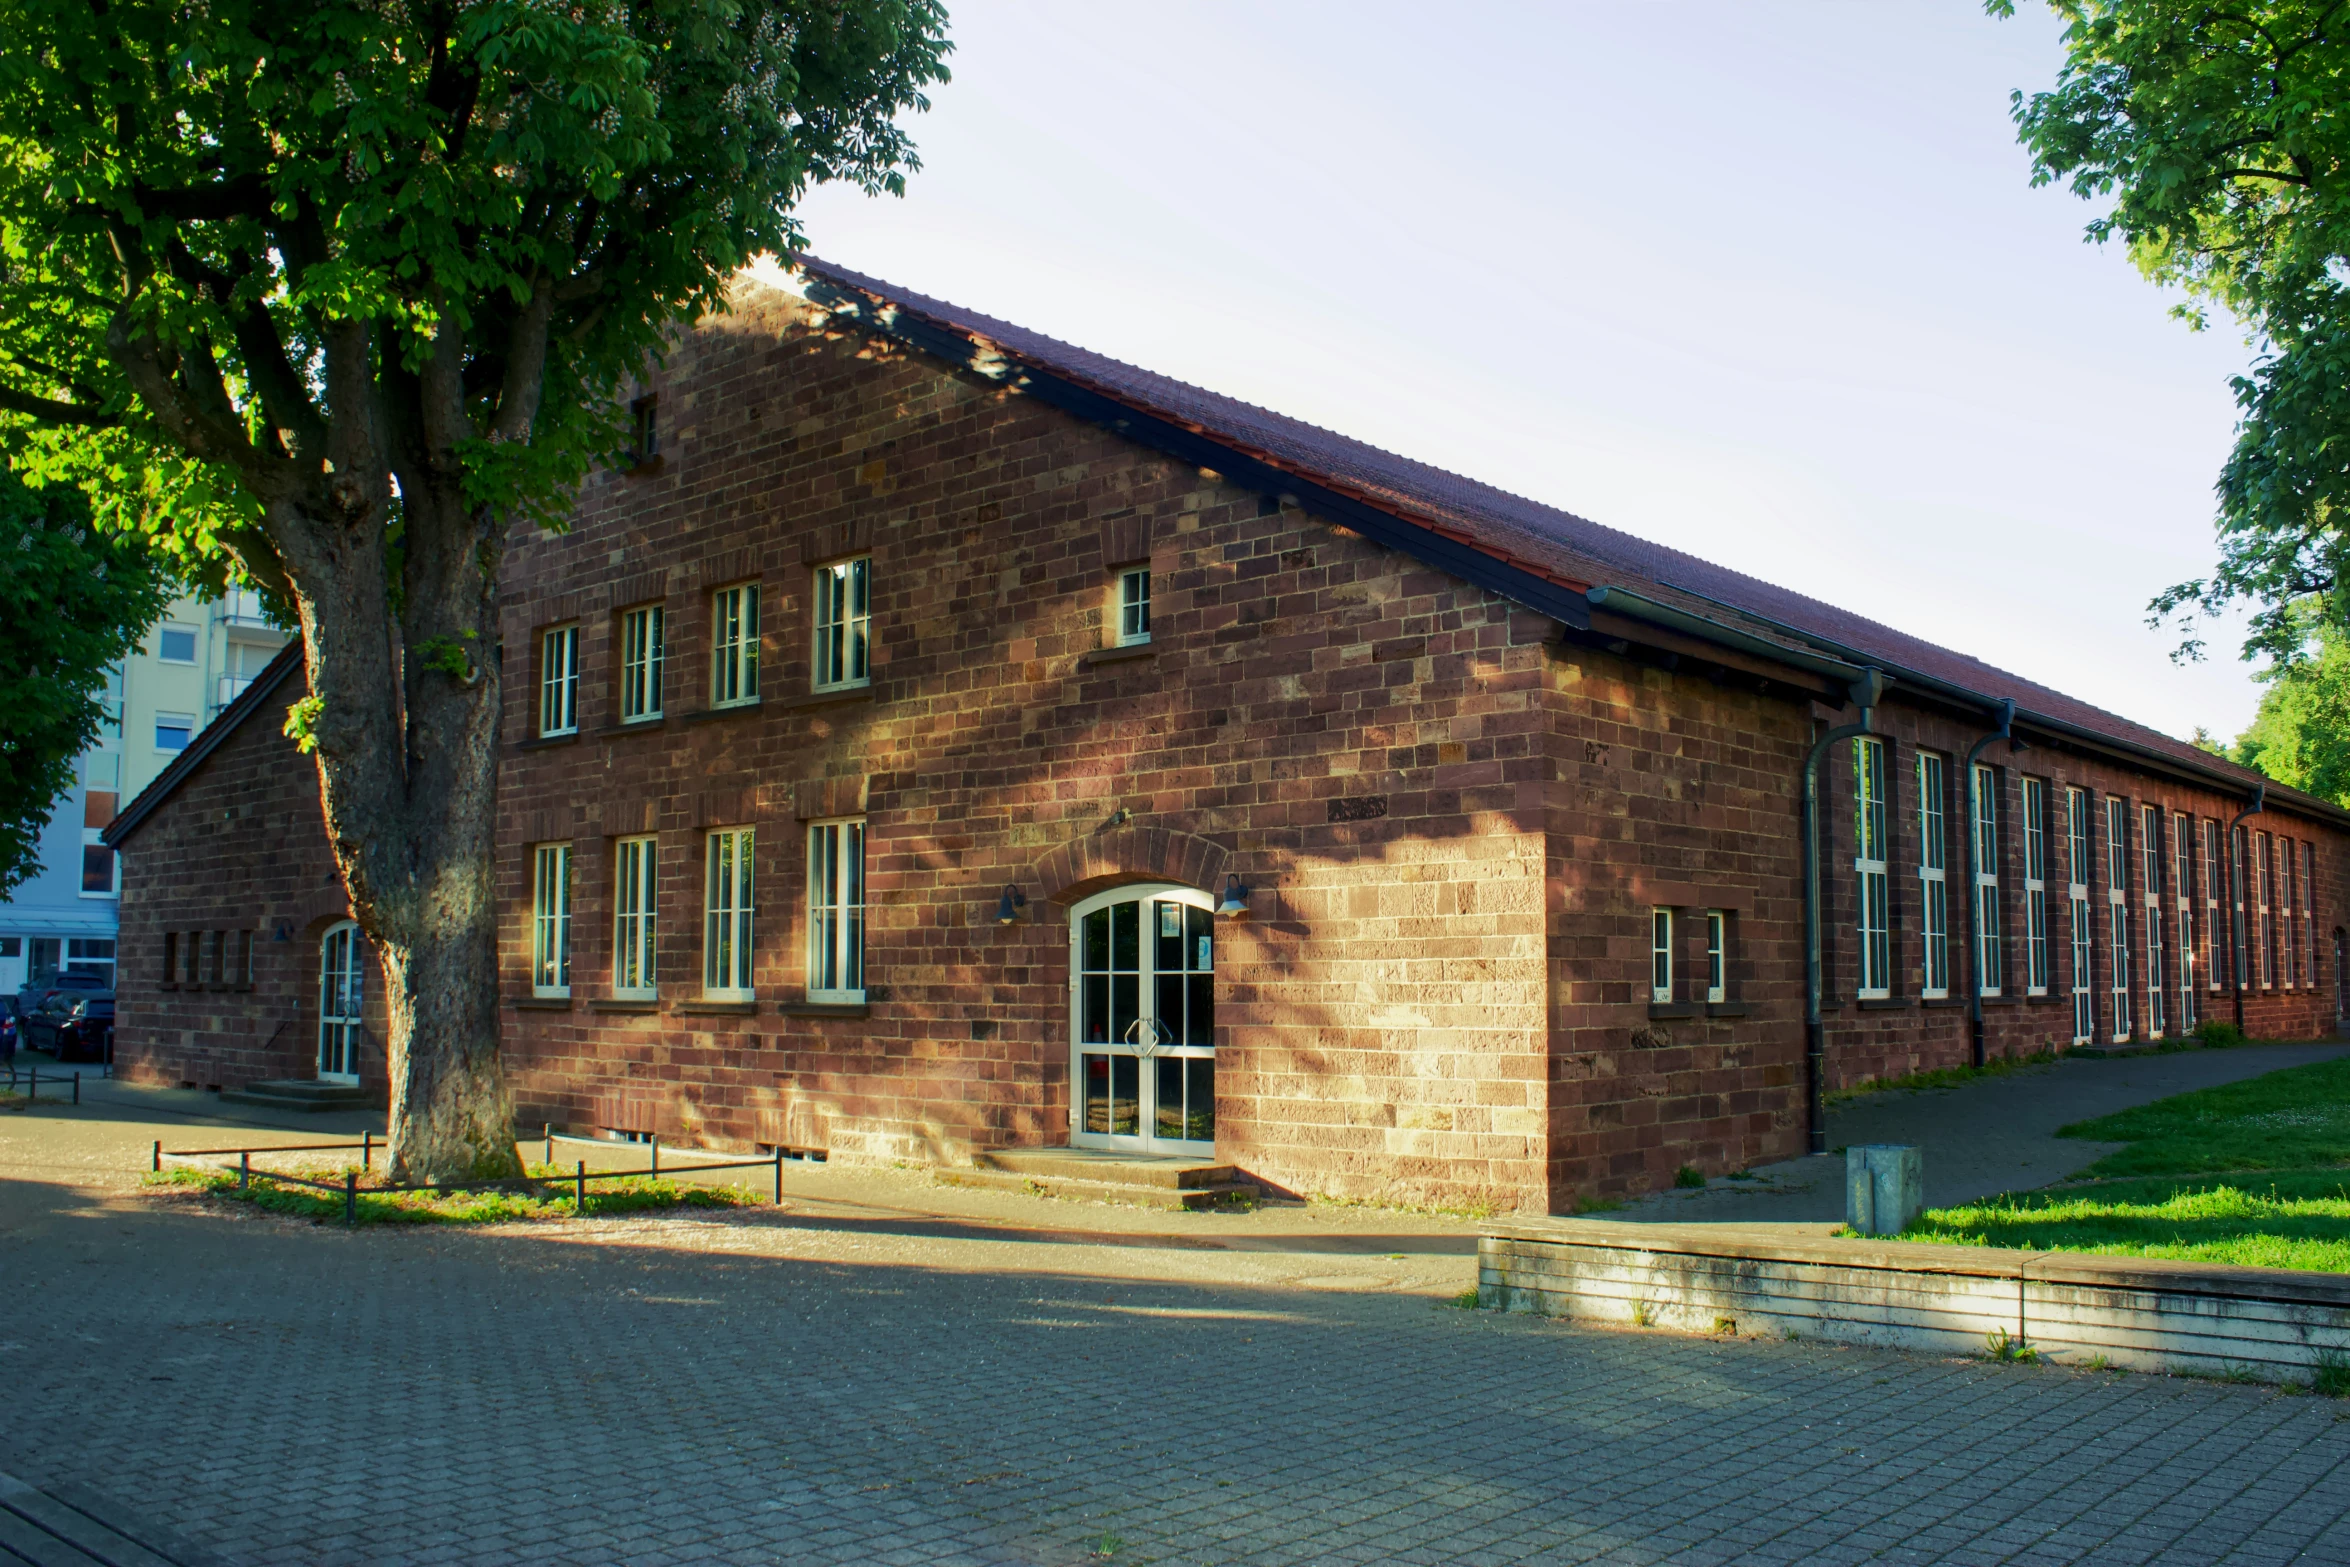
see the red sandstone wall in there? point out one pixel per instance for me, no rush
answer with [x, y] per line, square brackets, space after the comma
[1381, 1025]
[241, 847]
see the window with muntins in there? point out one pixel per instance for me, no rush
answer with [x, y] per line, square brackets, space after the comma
[2241, 945]
[2288, 951]
[2264, 897]
[1717, 960]
[643, 650]
[1660, 955]
[836, 911]
[2035, 887]
[2309, 910]
[2117, 881]
[844, 624]
[2183, 898]
[2213, 881]
[2150, 843]
[1983, 812]
[636, 863]
[550, 922]
[2079, 857]
[734, 645]
[1933, 875]
[726, 928]
[1872, 895]
[1134, 606]
[559, 681]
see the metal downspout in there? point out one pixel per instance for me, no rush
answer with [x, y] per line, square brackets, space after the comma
[2238, 959]
[1865, 692]
[1974, 914]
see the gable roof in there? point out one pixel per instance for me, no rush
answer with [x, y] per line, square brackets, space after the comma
[1488, 536]
[208, 740]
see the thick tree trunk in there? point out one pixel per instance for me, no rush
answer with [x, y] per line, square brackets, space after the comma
[405, 731]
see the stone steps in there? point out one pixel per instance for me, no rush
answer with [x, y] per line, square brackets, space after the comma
[1097, 1175]
[299, 1093]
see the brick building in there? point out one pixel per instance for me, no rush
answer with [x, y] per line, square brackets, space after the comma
[943, 739]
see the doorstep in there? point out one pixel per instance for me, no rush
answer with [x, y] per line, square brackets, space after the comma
[1173, 1182]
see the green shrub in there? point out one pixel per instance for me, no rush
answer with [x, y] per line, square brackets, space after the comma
[2219, 1035]
[1689, 1176]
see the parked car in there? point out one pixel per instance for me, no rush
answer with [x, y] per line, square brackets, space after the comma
[73, 1024]
[30, 997]
[10, 1038]
[87, 1034]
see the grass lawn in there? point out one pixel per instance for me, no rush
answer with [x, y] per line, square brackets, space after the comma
[629, 1194]
[2255, 1173]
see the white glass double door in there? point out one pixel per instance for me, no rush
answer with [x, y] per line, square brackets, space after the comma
[1142, 1016]
[341, 1004]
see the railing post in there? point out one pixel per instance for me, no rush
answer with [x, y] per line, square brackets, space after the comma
[550, 1159]
[579, 1203]
[350, 1197]
[244, 1170]
[366, 1149]
[77, 1088]
[779, 1175]
[656, 1153]
[158, 1156]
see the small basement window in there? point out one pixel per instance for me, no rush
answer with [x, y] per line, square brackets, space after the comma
[1133, 608]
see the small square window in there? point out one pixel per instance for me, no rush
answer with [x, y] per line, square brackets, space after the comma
[644, 416]
[176, 644]
[1717, 961]
[173, 731]
[1134, 606]
[97, 869]
[1660, 955]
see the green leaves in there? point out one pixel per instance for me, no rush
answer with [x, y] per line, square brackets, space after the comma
[74, 605]
[2221, 138]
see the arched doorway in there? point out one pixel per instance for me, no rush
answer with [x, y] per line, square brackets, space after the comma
[341, 1003]
[1142, 1021]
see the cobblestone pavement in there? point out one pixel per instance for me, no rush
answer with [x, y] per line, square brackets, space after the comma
[888, 1372]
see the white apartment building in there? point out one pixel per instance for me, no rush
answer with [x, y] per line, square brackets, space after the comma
[191, 664]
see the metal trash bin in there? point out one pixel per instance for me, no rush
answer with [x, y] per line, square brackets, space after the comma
[1884, 1187]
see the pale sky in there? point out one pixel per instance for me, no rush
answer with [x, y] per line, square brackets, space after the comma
[1766, 282]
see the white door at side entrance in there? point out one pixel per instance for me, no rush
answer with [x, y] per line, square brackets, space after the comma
[341, 994]
[1142, 1018]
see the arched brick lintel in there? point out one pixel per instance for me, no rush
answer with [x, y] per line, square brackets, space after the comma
[1123, 854]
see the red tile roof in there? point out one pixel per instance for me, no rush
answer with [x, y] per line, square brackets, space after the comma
[1543, 540]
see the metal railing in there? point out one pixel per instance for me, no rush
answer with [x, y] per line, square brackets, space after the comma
[350, 1190]
[29, 1077]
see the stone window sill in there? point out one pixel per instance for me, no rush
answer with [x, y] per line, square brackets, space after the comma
[717, 1008]
[546, 742]
[792, 704]
[651, 467]
[1117, 655]
[1727, 1009]
[1942, 1001]
[1675, 1009]
[540, 1003]
[730, 710]
[624, 1004]
[1886, 1003]
[635, 726]
[824, 1009]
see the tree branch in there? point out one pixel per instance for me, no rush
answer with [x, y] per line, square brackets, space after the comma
[49, 410]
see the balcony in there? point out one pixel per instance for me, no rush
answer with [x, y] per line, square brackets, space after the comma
[230, 687]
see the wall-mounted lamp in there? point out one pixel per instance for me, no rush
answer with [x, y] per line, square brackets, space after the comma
[1235, 904]
[1008, 907]
[1118, 818]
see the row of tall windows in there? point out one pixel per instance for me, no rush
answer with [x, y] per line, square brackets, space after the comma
[835, 915]
[841, 633]
[2157, 942]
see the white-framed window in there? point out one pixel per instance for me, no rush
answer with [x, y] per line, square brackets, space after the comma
[1872, 896]
[2117, 883]
[2264, 898]
[734, 645]
[844, 624]
[2079, 858]
[2213, 881]
[2309, 909]
[2288, 950]
[2183, 895]
[559, 681]
[2035, 887]
[1717, 956]
[636, 865]
[726, 912]
[175, 643]
[836, 911]
[550, 921]
[1983, 813]
[1133, 605]
[2240, 928]
[2153, 855]
[643, 650]
[1933, 874]
[1660, 955]
[173, 731]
